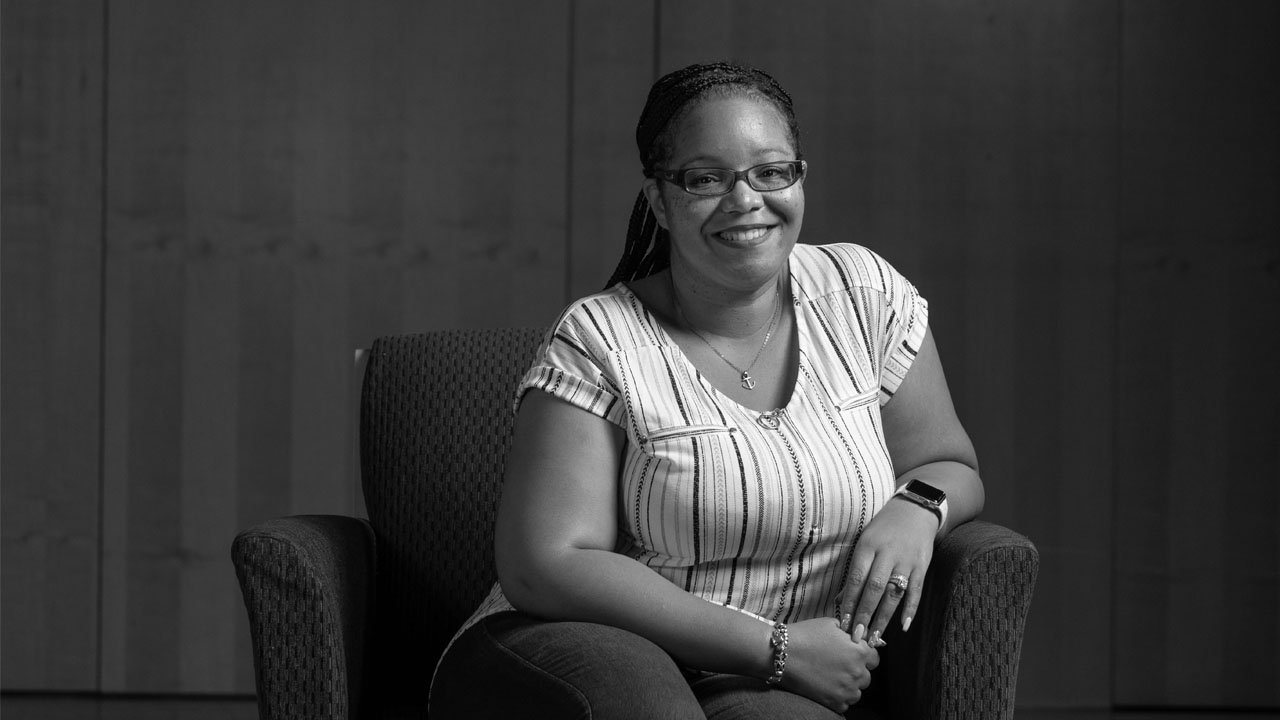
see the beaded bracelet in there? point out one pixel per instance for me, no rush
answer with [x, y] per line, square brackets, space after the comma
[779, 641]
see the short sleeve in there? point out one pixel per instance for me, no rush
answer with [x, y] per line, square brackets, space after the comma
[571, 366]
[906, 321]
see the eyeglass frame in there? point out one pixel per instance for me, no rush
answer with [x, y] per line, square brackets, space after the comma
[677, 177]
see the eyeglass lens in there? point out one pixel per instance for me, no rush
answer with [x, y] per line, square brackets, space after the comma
[763, 178]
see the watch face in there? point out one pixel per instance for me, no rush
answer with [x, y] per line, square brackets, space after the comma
[927, 491]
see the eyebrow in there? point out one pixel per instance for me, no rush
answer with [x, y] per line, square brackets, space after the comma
[707, 161]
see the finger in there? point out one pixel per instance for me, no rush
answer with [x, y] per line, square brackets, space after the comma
[872, 591]
[912, 602]
[858, 568]
[895, 590]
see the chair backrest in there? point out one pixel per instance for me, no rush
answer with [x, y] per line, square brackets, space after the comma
[435, 425]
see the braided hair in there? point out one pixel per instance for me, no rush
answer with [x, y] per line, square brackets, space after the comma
[671, 99]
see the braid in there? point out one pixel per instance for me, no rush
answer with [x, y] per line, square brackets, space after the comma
[633, 253]
[648, 245]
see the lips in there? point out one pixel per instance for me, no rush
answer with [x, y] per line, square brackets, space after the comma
[740, 235]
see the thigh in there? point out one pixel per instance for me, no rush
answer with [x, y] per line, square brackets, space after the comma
[510, 665]
[734, 697]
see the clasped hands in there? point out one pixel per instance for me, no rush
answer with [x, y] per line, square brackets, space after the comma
[886, 573]
[833, 657]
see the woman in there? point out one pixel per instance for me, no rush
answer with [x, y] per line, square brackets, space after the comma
[730, 467]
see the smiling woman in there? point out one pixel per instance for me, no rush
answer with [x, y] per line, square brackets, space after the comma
[733, 242]
[705, 512]
[730, 240]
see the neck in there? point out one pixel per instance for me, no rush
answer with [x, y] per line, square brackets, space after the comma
[732, 315]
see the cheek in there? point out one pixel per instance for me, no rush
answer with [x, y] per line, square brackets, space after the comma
[684, 211]
[790, 207]
[664, 205]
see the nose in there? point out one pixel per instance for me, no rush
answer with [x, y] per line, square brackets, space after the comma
[742, 198]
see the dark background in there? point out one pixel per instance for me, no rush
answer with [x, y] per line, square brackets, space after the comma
[208, 206]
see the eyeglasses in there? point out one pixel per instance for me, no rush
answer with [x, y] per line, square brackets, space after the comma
[719, 181]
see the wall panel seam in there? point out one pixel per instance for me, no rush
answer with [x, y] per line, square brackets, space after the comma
[103, 100]
[1116, 244]
[570, 77]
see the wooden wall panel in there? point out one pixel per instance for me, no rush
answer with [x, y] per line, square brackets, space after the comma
[613, 67]
[1085, 192]
[143, 555]
[974, 146]
[489, 143]
[286, 182]
[1198, 547]
[52, 306]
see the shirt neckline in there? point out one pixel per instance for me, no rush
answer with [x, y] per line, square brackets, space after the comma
[802, 343]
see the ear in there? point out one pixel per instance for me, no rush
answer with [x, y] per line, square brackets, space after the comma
[653, 192]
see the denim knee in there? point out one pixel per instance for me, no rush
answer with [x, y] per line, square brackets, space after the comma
[511, 665]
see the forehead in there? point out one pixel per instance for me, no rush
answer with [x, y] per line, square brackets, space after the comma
[732, 131]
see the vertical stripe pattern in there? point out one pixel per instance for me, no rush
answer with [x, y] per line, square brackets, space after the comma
[760, 516]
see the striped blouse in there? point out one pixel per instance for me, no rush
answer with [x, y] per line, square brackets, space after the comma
[755, 511]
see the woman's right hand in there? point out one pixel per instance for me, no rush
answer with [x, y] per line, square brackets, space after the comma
[826, 665]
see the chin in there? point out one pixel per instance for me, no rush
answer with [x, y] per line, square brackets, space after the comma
[759, 264]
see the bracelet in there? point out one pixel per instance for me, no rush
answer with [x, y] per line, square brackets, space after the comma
[779, 641]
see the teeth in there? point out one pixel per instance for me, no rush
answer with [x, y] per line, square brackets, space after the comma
[744, 235]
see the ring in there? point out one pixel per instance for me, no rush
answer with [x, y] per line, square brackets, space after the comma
[899, 581]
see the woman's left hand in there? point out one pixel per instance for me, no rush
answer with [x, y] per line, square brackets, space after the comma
[888, 569]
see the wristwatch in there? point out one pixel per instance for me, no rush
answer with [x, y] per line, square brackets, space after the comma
[926, 496]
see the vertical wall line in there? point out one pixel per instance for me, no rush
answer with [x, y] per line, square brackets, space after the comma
[657, 40]
[104, 96]
[570, 76]
[1116, 353]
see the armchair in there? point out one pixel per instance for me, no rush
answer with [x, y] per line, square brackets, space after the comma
[348, 616]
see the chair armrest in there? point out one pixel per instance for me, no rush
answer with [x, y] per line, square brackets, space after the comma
[308, 587]
[960, 659]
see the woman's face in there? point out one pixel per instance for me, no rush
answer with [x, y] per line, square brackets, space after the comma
[742, 239]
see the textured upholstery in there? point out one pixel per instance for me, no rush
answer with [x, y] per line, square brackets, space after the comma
[435, 424]
[960, 659]
[349, 617]
[307, 583]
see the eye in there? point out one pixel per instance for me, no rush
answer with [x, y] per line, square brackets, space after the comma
[772, 172]
[703, 178]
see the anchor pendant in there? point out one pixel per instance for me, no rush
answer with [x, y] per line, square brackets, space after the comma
[748, 382]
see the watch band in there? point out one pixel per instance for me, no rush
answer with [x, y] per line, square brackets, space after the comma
[926, 496]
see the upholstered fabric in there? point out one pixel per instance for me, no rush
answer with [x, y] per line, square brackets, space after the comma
[349, 617]
[960, 659]
[307, 583]
[435, 423]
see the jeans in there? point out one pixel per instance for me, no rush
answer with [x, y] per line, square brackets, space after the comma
[509, 665]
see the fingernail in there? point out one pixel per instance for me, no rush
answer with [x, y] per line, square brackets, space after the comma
[859, 632]
[906, 623]
[844, 622]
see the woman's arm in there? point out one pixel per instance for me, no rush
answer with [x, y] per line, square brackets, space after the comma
[555, 545]
[556, 535]
[926, 442]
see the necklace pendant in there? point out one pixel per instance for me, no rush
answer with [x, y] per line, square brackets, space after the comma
[748, 382]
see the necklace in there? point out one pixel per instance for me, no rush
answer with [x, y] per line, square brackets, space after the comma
[745, 379]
